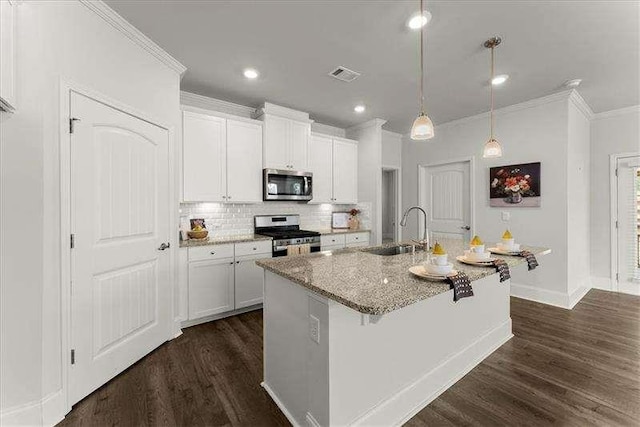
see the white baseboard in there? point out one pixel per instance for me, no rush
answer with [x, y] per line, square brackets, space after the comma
[545, 296]
[194, 322]
[603, 283]
[54, 408]
[409, 401]
[280, 405]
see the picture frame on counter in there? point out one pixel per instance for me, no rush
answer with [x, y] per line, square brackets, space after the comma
[340, 220]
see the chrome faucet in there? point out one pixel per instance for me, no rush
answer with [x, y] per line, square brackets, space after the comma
[425, 239]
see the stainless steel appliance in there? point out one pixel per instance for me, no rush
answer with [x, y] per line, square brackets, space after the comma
[285, 231]
[282, 184]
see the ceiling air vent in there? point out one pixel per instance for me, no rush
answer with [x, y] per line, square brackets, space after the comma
[344, 74]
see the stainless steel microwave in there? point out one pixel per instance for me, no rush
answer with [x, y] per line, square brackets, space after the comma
[282, 184]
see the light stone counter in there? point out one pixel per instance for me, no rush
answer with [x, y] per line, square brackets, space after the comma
[328, 231]
[374, 284]
[221, 240]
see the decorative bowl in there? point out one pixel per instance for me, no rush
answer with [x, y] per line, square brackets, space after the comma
[197, 234]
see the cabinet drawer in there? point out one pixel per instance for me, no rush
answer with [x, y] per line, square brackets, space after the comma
[332, 240]
[355, 238]
[211, 252]
[253, 248]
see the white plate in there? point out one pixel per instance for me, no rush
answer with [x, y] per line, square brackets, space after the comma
[483, 263]
[503, 252]
[419, 270]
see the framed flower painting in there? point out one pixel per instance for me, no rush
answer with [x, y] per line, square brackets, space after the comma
[515, 185]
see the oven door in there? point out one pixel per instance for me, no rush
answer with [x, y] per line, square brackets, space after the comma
[287, 185]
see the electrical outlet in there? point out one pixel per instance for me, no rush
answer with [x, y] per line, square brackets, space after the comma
[506, 216]
[314, 328]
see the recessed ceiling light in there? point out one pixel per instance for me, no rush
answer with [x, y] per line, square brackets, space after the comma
[498, 80]
[250, 73]
[416, 22]
[573, 83]
[359, 108]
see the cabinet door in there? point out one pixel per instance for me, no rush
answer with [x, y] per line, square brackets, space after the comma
[299, 145]
[345, 171]
[210, 287]
[276, 142]
[204, 158]
[244, 162]
[249, 282]
[321, 165]
[7, 55]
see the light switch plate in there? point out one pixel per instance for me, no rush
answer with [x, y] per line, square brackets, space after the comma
[506, 216]
[314, 328]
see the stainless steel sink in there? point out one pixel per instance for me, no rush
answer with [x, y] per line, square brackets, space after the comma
[393, 250]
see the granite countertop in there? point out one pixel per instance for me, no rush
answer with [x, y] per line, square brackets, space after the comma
[374, 284]
[326, 231]
[221, 240]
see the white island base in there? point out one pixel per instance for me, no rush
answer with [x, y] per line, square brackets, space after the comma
[373, 370]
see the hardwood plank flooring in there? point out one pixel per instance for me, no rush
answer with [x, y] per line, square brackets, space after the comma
[577, 367]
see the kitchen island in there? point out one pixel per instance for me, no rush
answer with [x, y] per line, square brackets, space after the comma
[352, 338]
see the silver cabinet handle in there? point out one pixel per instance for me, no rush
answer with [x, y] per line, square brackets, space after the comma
[255, 249]
[231, 263]
[164, 246]
[212, 252]
[466, 227]
[237, 262]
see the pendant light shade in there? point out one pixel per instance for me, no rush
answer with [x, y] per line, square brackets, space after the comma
[422, 128]
[492, 147]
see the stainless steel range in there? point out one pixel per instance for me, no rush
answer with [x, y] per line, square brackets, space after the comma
[285, 231]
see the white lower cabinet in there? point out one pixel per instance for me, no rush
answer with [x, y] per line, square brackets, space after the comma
[211, 287]
[329, 242]
[224, 278]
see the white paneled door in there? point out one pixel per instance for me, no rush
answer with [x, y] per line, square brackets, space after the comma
[445, 193]
[120, 289]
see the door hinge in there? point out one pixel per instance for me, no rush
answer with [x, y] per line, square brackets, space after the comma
[616, 224]
[73, 356]
[617, 277]
[71, 121]
[73, 241]
[616, 171]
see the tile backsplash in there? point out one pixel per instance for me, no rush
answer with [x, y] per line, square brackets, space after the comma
[224, 219]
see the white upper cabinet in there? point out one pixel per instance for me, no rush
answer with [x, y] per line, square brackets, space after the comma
[321, 165]
[286, 138]
[244, 162]
[276, 142]
[299, 133]
[345, 171]
[7, 55]
[334, 164]
[222, 159]
[204, 164]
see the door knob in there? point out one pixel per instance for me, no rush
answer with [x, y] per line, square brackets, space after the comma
[164, 246]
[466, 227]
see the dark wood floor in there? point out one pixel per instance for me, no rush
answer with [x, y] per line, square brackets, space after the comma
[563, 367]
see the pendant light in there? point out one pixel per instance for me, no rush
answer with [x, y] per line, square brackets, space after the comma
[492, 147]
[422, 128]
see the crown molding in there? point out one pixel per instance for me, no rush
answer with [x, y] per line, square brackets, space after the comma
[200, 101]
[123, 26]
[634, 109]
[581, 104]
[564, 95]
[392, 134]
[277, 110]
[370, 123]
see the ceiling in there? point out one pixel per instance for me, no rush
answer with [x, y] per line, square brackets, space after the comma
[294, 44]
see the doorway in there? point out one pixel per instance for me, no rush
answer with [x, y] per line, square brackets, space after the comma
[390, 205]
[626, 226]
[119, 221]
[446, 192]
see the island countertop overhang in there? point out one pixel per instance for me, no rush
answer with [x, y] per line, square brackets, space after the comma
[374, 284]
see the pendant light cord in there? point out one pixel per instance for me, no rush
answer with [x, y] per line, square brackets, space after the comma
[422, 58]
[491, 84]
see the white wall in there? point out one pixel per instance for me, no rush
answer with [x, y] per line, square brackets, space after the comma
[578, 197]
[55, 40]
[391, 149]
[529, 132]
[613, 132]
